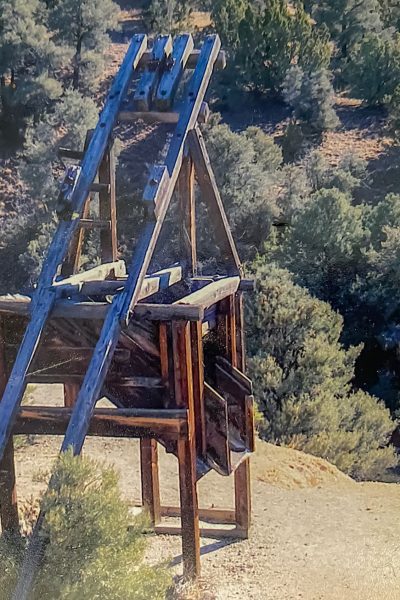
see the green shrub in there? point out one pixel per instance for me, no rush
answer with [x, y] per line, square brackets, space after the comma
[95, 549]
[302, 377]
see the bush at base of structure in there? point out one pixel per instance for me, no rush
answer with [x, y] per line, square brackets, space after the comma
[94, 550]
[303, 380]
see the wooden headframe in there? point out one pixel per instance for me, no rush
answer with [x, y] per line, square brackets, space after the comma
[188, 427]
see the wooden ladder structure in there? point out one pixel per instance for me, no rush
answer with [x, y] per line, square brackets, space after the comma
[168, 349]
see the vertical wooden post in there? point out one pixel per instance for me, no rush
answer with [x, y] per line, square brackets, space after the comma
[187, 209]
[72, 262]
[150, 479]
[231, 328]
[187, 452]
[107, 208]
[8, 492]
[196, 336]
[71, 391]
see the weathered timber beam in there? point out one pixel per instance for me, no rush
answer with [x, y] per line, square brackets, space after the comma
[129, 382]
[211, 515]
[164, 96]
[205, 532]
[210, 193]
[116, 268]
[153, 283]
[245, 285]
[161, 117]
[192, 60]
[68, 309]
[104, 224]
[107, 422]
[210, 293]
[148, 82]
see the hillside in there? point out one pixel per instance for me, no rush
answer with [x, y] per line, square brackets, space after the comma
[317, 534]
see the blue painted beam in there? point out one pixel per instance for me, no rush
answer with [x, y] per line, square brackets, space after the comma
[44, 298]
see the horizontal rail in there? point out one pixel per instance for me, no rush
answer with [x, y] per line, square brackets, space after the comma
[107, 422]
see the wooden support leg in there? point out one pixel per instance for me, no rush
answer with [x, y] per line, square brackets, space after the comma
[189, 509]
[187, 451]
[8, 492]
[150, 481]
[107, 208]
[243, 498]
[71, 391]
[187, 210]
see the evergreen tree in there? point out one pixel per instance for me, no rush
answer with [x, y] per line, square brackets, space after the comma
[312, 98]
[227, 16]
[95, 548]
[349, 20]
[249, 186]
[302, 377]
[272, 38]
[82, 26]
[373, 69]
[167, 16]
[28, 59]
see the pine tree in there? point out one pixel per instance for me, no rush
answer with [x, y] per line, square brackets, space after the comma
[349, 20]
[28, 59]
[272, 38]
[95, 548]
[82, 25]
[167, 16]
[312, 98]
[373, 69]
[227, 16]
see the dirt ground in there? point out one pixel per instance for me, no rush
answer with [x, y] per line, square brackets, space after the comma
[316, 534]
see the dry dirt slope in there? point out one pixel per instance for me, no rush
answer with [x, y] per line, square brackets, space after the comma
[317, 535]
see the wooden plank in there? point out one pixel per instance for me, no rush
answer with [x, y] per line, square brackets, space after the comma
[149, 80]
[95, 224]
[108, 207]
[215, 533]
[107, 422]
[115, 268]
[154, 116]
[211, 515]
[8, 491]
[69, 309]
[192, 61]
[71, 391]
[160, 280]
[216, 416]
[150, 479]
[209, 189]
[164, 97]
[210, 294]
[187, 451]
[196, 338]
[187, 210]
[243, 497]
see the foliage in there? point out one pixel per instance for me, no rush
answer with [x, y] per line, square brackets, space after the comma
[247, 186]
[95, 549]
[348, 21]
[227, 16]
[373, 69]
[81, 26]
[167, 16]
[271, 39]
[28, 59]
[302, 377]
[311, 97]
